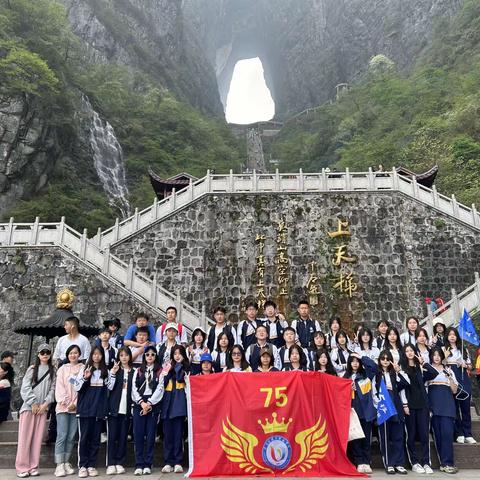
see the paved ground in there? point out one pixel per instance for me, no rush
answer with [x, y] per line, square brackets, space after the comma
[377, 475]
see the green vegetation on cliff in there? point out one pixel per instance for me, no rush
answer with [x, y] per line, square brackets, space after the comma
[429, 115]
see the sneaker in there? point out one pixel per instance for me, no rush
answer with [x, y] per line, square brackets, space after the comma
[360, 469]
[401, 470]
[83, 472]
[470, 440]
[448, 469]
[417, 468]
[103, 438]
[367, 469]
[92, 472]
[34, 473]
[68, 468]
[138, 471]
[390, 470]
[167, 469]
[60, 470]
[178, 469]
[120, 469]
[147, 471]
[461, 439]
[111, 470]
[428, 469]
[23, 474]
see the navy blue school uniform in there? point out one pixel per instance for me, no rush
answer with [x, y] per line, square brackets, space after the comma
[442, 406]
[379, 342]
[110, 353]
[219, 363]
[119, 415]
[463, 421]
[174, 412]
[147, 386]
[272, 369]
[392, 431]
[305, 330]
[92, 408]
[275, 331]
[5, 399]
[212, 338]
[285, 360]
[246, 332]
[362, 403]
[417, 423]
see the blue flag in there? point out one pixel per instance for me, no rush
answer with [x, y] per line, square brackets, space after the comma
[385, 406]
[466, 329]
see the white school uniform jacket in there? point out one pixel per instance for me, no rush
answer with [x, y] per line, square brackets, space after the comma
[407, 337]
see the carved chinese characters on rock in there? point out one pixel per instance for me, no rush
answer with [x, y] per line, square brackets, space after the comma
[260, 270]
[282, 261]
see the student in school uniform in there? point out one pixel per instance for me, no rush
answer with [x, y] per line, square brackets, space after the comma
[275, 324]
[340, 353]
[304, 326]
[441, 399]
[266, 363]
[221, 325]
[323, 363]
[381, 338]
[91, 384]
[392, 434]
[165, 349]
[171, 317]
[66, 397]
[409, 336]
[461, 365]
[206, 364]
[220, 354]
[110, 352]
[140, 320]
[422, 344]
[6, 381]
[246, 328]
[119, 410]
[141, 344]
[37, 392]
[361, 370]
[196, 349]
[252, 353]
[319, 342]
[174, 411]
[114, 325]
[334, 325]
[236, 361]
[297, 359]
[394, 345]
[147, 391]
[289, 335]
[415, 408]
[438, 338]
[365, 347]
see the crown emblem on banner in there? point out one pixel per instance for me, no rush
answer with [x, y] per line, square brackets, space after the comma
[272, 427]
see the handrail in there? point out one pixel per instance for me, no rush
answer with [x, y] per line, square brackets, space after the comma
[118, 271]
[276, 182]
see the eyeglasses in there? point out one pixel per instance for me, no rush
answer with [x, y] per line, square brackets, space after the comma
[45, 352]
[235, 354]
[151, 354]
[384, 358]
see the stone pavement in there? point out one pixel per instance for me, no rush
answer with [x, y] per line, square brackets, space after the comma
[377, 475]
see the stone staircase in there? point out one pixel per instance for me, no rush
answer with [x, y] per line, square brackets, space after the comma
[286, 183]
[123, 275]
[466, 456]
[451, 312]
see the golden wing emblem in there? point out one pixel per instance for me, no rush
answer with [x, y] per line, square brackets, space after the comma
[313, 444]
[239, 447]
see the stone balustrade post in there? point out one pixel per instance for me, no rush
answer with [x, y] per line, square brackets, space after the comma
[35, 228]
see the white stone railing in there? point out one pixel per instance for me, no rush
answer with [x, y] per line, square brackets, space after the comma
[123, 274]
[286, 183]
[451, 312]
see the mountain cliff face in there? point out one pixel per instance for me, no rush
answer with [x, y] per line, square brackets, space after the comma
[308, 47]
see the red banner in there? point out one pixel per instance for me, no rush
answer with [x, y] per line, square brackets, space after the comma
[292, 424]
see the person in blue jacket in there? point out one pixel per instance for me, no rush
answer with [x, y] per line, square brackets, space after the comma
[147, 392]
[441, 399]
[91, 384]
[174, 410]
[391, 432]
[119, 411]
[361, 370]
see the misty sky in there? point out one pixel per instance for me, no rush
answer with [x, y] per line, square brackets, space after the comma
[249, 99]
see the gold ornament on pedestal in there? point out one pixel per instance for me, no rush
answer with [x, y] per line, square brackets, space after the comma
[65, 298]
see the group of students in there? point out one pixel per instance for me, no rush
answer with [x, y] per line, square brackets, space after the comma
[135, 383]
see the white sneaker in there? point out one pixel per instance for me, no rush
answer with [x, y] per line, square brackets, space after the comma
[34, 473]
[167, 469]
[147, 471]
[83, 472]
[103, 437]
[461, 439]
[68, 468]
[23, 474]
[111, 470]
[60, 470]
[470, 440]
[120, 469]
[138, 471]
[367, 469]
[360, 468]
[92, 472]
[178, 469]
[428, 469]
[417, 468]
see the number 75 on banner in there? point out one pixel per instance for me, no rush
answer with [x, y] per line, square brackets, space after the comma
[279, 396]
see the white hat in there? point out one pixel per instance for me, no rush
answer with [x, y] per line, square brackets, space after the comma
[172, 325]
